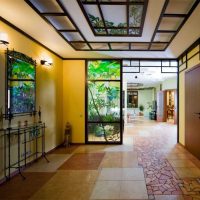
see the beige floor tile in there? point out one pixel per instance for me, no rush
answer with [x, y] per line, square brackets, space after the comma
[121, 148]
[110, 174]
[77, 191]
[75, 176]
[90, 148]
[133, 190]
[182, 163]
[132, 174]
[120, 160]
[121, 174]
[169, 197]
[56, 160]
[106, 190]
[186, 172]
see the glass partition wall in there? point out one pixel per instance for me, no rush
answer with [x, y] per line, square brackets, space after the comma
[103, 101]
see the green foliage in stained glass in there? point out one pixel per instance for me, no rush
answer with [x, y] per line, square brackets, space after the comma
[104, 69]
[19, 69]
[104, 98]
[21, 82]
[22, 96]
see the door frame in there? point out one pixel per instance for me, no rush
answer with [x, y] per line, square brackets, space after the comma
[161, 66]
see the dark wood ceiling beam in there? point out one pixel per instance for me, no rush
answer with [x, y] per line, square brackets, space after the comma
[102, 17]
[67, 30]
[96, 27]
[53, 14]
[174, 15]
[159, 21]
[197, 2]
[72, 21]
[114, 3]
[166, 31]
[127, 16]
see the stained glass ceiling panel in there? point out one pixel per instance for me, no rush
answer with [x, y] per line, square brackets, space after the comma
[115, 17]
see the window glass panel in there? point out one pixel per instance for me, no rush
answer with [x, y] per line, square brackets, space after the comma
[20, 70]
[169, 69]
[103, 101]
[101, 132]
[104, 69]
[22, 96]
[20, 83]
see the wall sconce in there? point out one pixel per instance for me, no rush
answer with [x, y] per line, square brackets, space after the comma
[4, 39]
[46, 62]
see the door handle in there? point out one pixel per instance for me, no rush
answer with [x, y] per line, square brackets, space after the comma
[198, 114]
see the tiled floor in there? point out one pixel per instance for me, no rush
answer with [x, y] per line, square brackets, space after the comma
[149, 165]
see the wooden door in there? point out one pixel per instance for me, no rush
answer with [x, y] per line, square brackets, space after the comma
[192, 111]
[161, 106]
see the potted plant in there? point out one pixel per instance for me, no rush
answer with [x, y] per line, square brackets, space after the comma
[141, 108]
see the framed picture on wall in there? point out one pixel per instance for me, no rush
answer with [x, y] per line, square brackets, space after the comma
[21, 83]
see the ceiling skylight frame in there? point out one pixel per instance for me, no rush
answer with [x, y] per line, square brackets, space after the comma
[183, 17]
[121, 29]
[82, 44]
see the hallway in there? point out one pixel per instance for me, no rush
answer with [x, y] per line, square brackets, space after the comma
[150, 165]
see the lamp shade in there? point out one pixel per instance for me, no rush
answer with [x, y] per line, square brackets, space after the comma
[4, 38]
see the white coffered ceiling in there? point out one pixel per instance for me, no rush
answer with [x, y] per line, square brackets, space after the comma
[19, 13]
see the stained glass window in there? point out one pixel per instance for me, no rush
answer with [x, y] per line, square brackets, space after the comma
[20, 83]
[103, 101]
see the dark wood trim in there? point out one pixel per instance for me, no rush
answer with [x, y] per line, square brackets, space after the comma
[158, 23]
[114, 3]
[102, 17]
[132, 59]
[28, 36]
[86, 104]
[127, 3]
[174, 15]
[192, 46]
[185, 54]
[184, 21]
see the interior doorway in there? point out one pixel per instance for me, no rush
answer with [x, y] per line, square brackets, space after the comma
[150, 93]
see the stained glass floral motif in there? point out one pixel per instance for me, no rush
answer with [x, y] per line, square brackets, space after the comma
[103, 102]
[21, 83]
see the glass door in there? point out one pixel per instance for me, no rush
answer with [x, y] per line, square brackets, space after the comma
[103, 101]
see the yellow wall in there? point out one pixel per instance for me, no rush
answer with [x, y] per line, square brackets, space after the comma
[48, 89]
[191, 63]
[74, 98]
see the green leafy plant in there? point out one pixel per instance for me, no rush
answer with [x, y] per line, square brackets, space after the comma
[141, 108]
